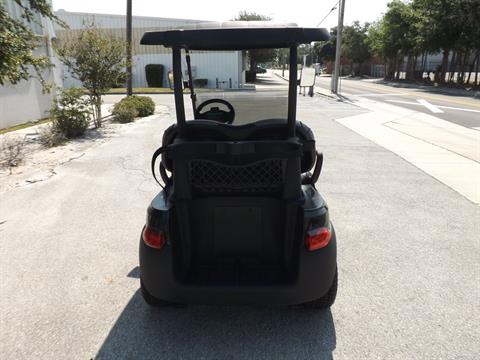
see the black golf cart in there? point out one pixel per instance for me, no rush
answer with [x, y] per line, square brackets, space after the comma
[239, 219]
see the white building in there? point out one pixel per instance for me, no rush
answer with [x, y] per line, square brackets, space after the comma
[220, 68]
[26, 101]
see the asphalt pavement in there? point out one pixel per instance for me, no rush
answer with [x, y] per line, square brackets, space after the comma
[408, 255]
[457, 108]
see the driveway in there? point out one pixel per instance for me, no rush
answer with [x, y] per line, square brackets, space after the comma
[408, 262]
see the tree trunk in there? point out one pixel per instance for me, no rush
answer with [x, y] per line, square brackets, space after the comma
[477, 69]
[422, 64]
[443, 71]
[470, 70]
[97, 110]
[464, 65]
[453, 63]
[408, 68]
[425, 63]
[392, 64]
[399, 65]
[460, 69]
[414, 68]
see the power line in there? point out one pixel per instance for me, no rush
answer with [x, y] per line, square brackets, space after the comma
[333, 8]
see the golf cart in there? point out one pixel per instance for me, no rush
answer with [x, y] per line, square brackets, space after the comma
[239, 219]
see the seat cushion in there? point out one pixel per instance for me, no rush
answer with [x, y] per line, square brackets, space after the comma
[270, 129]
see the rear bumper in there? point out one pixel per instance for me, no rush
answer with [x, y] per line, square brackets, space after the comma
[315, 275]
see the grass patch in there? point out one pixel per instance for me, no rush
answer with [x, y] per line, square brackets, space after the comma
[25, 125]
[158, 90]
[141, 91]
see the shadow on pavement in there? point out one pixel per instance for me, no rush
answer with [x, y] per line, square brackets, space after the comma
[263, 79]
[134, 273]
[219, 332]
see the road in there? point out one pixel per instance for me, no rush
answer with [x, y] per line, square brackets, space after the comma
[461, 110]
[408, 262]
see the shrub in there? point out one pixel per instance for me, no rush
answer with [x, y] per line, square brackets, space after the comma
[143, 105]
[50, 136]
[71, 113]
[124, 111]
[11, 152]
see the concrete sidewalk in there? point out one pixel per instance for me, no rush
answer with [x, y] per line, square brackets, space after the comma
[448, 152]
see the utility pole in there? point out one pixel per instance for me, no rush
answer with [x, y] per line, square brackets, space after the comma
[336, 75]
[129, 48]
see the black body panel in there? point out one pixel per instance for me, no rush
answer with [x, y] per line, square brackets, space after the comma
[260, 270]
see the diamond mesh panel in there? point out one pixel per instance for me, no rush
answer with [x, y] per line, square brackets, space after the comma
[264, 176]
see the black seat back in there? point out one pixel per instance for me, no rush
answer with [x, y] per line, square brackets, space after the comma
[265, 130]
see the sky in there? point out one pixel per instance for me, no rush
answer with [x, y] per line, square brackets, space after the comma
[305, 13]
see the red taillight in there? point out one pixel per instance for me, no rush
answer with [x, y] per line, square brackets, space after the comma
[317, 238]
[154, 239]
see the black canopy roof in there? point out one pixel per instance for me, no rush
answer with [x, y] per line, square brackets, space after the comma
[235, 35]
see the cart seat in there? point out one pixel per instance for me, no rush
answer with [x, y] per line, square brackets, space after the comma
[270, 129]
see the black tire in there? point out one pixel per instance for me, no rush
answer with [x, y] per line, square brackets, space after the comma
[151, 300]
[325, 301]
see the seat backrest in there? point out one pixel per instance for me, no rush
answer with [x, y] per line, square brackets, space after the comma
[270, 129]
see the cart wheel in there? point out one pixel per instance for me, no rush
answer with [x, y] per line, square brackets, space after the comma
[153, 301]
[327, 300]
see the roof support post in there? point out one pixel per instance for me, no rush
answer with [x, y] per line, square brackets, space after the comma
[292, 91]
[129, 48]
[178, 90]
[190, 83]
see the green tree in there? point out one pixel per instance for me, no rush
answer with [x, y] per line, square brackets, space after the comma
[394, 36]
[355, 45]
[97, 60]
[17, 42]
[257, 56]
[451, 26]
[324, 51]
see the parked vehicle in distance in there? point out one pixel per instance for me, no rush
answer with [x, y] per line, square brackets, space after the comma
[239, 219]
[260, 70]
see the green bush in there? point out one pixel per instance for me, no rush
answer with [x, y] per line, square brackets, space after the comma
[143, 105]
[71, 112]
[125, 111]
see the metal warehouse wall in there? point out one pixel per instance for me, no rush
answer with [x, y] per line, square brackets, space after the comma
[26, 101]
[224, 65]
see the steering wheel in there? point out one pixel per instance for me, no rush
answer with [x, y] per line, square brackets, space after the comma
[214, 113]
